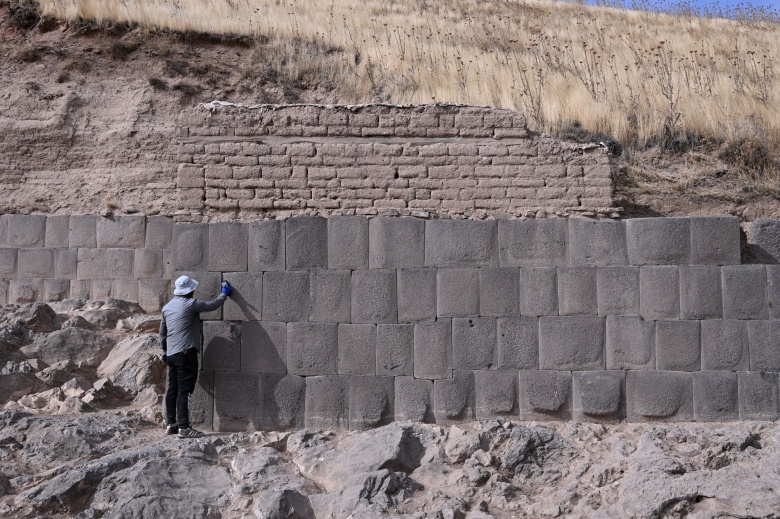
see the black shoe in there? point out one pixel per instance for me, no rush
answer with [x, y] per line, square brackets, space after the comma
[171, 429]
[189, 432]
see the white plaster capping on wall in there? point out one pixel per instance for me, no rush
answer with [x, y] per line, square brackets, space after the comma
[272, 161]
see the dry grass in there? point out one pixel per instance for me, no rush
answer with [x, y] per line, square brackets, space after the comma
[640, 77]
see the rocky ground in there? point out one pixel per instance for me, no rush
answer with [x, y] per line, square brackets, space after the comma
[80, 436]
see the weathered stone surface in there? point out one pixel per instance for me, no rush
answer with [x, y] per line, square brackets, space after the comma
[763, 238]
[395, 349]
[413, 399]
[121, 231]
[284, 400]
[348, 243]
[159, 232]
[119, 263]
[724, 345]
[306, 242]
[371, 401]
[758, 395]
[396, 243]
[772, 290]
[474, 343]
[8, 263]
[202, 402]
[597, 243]
[599, 395]
[544, 395]
[357, 349]
[577, 291]
[125, 289]
[82, 231]
[630, 343]
[453, 399]
[700, 292]
[659, 241]
[56, 289]
[190, 247]
[237, 414]
[659, 395]
[744, 292]
[246, 299]
[149, 264]
[538, 292]
[57, 231]
[518, 342]
[152, 293]
[571, 343]
[266, 248]
[26, 230]
[533, 243]
[25, 291]
[461, 243]
[228, 247]
[499, 292]
[678, 345]
[312, 348]
[221, 346]
[327, 402]
[715, 240]
[618, 290]
[35, 263]
[286, 296]
[91, 264]
[73, 345]
[433, 350]
[374, 296]
[457, 292]
[264, 347]
[763, 345]
[495, 393]
[331, 296]
[659, 292]
[715, 396]
[416, 295]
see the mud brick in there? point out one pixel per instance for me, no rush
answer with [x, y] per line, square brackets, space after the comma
[396, 243]
[284, 401]
[744, 292]
[190, 247]
[474, 343]
[371, 401]
[312, 348]
[453, 399]
[758, 395]
[461, 243]
[433, 350]
[394, 349]
[772, 290]
[571, 343]
[413, 400]
[264, 347]
[327, 402]
[55, 290]
[286, 296]
[700, 292]
[659, 292]
[659, 241]
[630, 343]
[36, 263]
[331, 296]
[8, 263]
[659, 395]
[306, 239]
[715, 240]
[724, 345]
[577, 291]
[221, 346]
[208, 289]
[266, 250]
[121, 231]
[538, 291]
[374, 296]
[678, 345]
[233, 414]
[57, 231]
[764, 345]
[22, 291]
[153, 294]
[26, 230]
[159, 232]
[91, 264]
[227, 247]
[125, 289]
[148, 264]
[597, 243]
[518, 342]
[499, 292]
[246, 301]
[715, 397]
[416, 295]
[544, 395]
[618, 290]
[495, 394]
[356, 349]
[533, 243]
[457, 292]
[348, 242]
[202, 402]
[119, 263]
[82, 231]
[599, 395]
[81, 289]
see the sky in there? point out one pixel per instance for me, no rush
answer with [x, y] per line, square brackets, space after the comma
[723, 6]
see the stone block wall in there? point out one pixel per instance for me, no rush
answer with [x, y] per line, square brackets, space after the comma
[354, 322]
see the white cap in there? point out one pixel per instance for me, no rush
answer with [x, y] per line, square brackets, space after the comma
[185, 285]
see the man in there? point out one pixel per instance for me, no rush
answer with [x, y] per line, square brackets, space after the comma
[180, 337]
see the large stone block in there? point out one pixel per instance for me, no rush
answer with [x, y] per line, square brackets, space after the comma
[433, 350]
[659, 395]
[81, 289]
[571, 343]
[312, 348]
[202, 402]
[246, 301]
[22, 291]
[65, 263]
[374, 296]
[153, 294]
[715, 396]
[238, 402]
[599, 395]
[597, 243]
[724, 345]
[544, 395]
[284, 402]
[499, 292]
[327, 402]
[416, 295]
[715, 240]
[396, 243]
[413, 399]
[26, 230]
[82, 231]
[659, 241]
[119, 263]
[758, 395]
[533, 243]
[286, 296]
[577, 291]
[266, 249]
[228, 247]
[453, 398]
[495, 393]
[763, 238]
[700, 292]
[538, 291]
[3, 290]
[348, 242]
[357, 349]
[8, 263]
[55, 290]
[264, 347]
[630, 343]
[102, 289]
[3, 230]
[474, 343]
[518, 343]
[772, 290]
[618, 290]
[190, 246]
[125, 289]
[395, 349]
[371, 401]
[457, 292]
[57, 231]
[149, 264]
[764, 345]
[121, 232]
[744, 292]
[659, 292]
[678, 345]
[461, 243]
[35, 263]
[91, 264]
[306, 242]
[221, 346]
[159, 232]
[331, 296]
[209, 287]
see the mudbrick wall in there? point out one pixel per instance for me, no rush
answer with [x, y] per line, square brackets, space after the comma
[350, 321]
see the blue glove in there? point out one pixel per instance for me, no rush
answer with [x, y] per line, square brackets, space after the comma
[226, 288]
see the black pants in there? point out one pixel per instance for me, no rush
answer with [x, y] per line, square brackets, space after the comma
[182, 375]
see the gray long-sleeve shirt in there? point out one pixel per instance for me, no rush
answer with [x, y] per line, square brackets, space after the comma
[180, 324]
